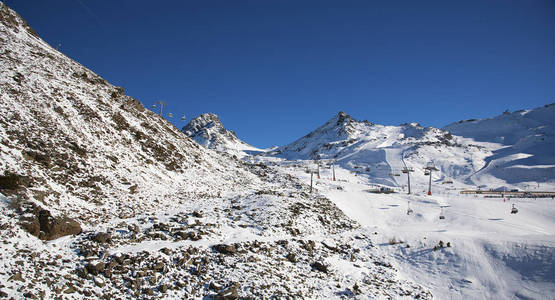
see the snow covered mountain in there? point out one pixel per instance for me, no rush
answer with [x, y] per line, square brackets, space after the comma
[469, 152]
[208, 131]
[80, 144]
[102, 198]
[375, 150]
[528, 139]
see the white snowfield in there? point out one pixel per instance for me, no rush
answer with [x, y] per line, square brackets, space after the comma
[493, 254]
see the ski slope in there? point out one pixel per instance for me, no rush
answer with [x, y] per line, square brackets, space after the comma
[493, 254]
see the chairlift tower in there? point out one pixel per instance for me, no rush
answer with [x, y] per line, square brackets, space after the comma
[333, 170]
[407, 171]
[312, 172]
[429, 168]
[162, 104]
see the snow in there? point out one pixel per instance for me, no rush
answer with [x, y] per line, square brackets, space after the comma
[98, 156]
[493, 254]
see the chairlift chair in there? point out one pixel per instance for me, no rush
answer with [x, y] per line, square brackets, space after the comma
[409, 210]
[426, 172]
[514, 210]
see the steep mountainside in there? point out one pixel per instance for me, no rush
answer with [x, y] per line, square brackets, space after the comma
[80, 144]
[528, 139]
[208, 131]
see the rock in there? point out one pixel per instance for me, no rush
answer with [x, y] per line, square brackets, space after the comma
[133, 228]
[318, 266]
[17, 276]
[148, 291]
[214, 286]
[197, 214]
[102, 237]
[159, 266]
[82, 272]
[99, 282]
[40, 223]
[163, 288]
[54, 228]
[225, 249]
[356, 289]
[230, 293]
[95, 267]
[291, 257]
[12, 181]
[192, 236]
[30, 224]
[3, 294]
[108, 273]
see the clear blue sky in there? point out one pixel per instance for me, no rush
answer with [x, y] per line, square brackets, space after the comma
[275, 70]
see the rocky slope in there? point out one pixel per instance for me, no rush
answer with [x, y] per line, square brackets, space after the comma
[80, 143]
[102, 198]
[208, 131]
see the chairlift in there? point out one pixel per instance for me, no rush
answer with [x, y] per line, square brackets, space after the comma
[441, 215]
[426, 172]
[170, 115]
[514, 210]
[183, 118]
[409, 210]
[397, 174]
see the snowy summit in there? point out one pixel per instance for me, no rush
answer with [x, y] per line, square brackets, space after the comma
[208, 131]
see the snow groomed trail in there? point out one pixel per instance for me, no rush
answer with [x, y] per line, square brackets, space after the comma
[493, 254]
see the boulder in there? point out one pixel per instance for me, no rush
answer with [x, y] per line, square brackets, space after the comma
[225, 249]
[40, 223]
[318, 266]
[102, 237]
[230, 293]
[95, 267]
[52, 228]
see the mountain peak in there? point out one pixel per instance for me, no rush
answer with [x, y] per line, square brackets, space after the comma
[206, 120]
[208, 131]
[342, 117]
